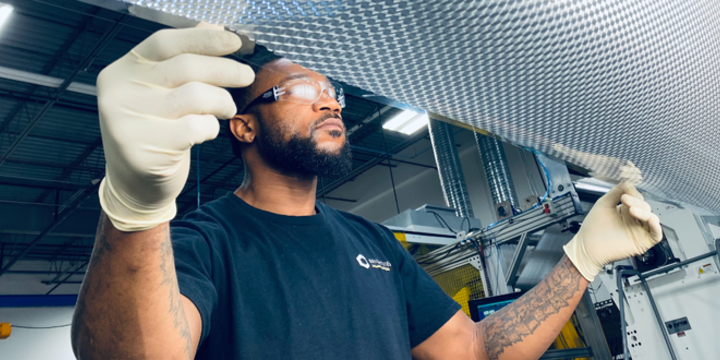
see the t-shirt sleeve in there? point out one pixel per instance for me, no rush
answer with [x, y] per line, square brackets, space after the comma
[194, 267]
[428, 307]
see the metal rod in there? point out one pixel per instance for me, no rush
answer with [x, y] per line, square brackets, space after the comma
[665, 269]
[625, 270]
[511, 277]
[623, 324]
[358, 149]
[593, 334]
[563, 354]
[642, 277]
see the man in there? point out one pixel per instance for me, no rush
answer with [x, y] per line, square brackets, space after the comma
[267, 271]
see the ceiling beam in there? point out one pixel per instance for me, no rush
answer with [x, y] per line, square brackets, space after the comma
[52, 234]
[52, 63]
[68, 209]
[83, 264]
[69, 170]
[65, 104]
[53, 165]
[106, 38]
[39, 183]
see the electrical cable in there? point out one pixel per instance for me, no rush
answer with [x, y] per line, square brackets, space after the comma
[457, 245]
[463, 222]
[547, 192]
[442, 221]
[389, 157]
[38, 327]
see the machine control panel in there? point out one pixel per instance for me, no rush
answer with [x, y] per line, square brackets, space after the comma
[677, 325]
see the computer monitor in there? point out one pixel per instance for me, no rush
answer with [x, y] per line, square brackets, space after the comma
[482, 308]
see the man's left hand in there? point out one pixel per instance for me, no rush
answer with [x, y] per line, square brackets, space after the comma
[612, 232]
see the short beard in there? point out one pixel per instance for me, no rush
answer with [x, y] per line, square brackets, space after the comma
[300, 156]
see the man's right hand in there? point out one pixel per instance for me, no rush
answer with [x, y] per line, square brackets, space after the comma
[155, 103]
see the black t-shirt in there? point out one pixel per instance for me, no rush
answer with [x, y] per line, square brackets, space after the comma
[327, 286]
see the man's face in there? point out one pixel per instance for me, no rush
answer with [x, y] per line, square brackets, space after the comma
[300, 138]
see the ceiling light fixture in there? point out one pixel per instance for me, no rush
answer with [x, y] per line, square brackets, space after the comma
[407, 122]
[5, 11]
[44, 80]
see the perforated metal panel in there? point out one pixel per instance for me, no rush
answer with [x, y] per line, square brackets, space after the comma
[628, 80]
[462, 284]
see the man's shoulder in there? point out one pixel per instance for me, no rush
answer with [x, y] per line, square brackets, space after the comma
[359, 221]
[210, 218]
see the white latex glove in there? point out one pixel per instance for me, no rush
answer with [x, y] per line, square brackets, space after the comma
[155, 103]
[612, 232]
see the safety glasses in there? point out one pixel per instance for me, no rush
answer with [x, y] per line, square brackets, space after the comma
[301, 91]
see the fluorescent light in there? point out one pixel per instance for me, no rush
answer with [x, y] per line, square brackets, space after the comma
[5, 11]
[407, 122]
[399, 120]
[44, 80]
[416, 124]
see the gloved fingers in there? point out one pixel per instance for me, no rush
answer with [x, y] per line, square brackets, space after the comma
[206, 25]
[196, 98]
[631, 190]
[655, 229]
[186, 68]
[631, 201]
[168, 43]
[196, 129]
[651, 221]
[612, 197]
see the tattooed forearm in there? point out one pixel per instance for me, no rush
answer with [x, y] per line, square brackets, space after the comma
[558, 292]
[131, 284]
[80, 318]
[169, 278]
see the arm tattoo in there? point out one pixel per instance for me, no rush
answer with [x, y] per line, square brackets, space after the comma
[100, 248]
[169, 278]
[521, 318]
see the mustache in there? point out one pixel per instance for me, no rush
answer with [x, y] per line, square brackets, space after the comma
[324, 117]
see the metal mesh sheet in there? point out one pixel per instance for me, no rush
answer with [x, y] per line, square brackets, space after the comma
[597, 83]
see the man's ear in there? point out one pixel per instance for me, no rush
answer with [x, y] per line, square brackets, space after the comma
[244, 127]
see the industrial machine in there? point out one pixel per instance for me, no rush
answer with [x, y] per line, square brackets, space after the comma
[516, 252]
[661, 305]
[668, 299]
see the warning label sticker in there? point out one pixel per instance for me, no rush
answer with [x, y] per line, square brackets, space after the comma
[708, 268]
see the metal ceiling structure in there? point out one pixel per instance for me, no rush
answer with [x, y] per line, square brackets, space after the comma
[51, 156]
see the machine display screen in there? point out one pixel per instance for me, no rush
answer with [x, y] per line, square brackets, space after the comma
[482, 308]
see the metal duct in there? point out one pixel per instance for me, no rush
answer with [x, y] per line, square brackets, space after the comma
[497, 170]
[452, 179]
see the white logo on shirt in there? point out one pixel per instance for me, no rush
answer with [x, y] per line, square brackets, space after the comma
[376, 264]
[362, 261]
